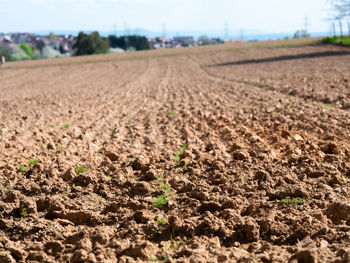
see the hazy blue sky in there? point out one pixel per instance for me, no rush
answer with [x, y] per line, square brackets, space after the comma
[266, 16]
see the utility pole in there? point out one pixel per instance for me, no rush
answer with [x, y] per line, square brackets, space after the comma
[306, 24]
[226, 30]
[242, 34]
[114, 29]
[163, 30]
[126, 29]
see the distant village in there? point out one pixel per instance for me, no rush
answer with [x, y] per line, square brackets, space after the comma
[24, 46]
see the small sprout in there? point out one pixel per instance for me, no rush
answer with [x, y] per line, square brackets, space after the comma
[159, 177]
[59, 235]
[5, 190]
[176, 159]
[160, 200]
[22, 168]
[161, 220]
[64, 126]
[170, 113]
[293, 201]
[59, 149]
[80, 169]
[33, 161]
[165, 187]
[156, 230]
[185, 166]
[24, 212]
[98, 199]
[48, 124]
[128, 119]
[180, 151]
[154, 258]
[329, 105]
[114, 129]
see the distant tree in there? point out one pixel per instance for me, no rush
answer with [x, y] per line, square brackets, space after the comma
[117, 42]
[301, 34]
[90, 44]
[40, 45]
[5, 51]
[61, 49]
[138, 42]
[27, 49]
[129, 42]
[204, 40]
[341, 9]
[52, 37]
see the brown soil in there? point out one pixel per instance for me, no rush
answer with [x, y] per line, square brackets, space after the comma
[263, 175]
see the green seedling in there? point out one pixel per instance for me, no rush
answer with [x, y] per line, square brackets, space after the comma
[180, 151]
[128, 119]
[98, 199]
[177, 244]
[64, 126]
[329, 105]
[22, 168]
[154, 258]
[165, 187]
[80, 169]
[48, 124]
[160, 200]
[159, 177]
[156, 230]
[161, 220]
[33, 161]
[24, 212]
[59, 235]
[293, 201]
[59, 149]
[5, 190]
[170, 113]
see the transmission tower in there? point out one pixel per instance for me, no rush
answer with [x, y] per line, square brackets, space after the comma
[163, 30]
[226, 30]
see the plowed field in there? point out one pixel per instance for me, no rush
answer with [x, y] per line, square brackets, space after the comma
[234, 153]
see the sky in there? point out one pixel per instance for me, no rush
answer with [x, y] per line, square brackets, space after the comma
[263, 16]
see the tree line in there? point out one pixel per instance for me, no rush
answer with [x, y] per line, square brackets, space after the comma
[93, 43]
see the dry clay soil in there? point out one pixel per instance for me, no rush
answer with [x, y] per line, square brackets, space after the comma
[234, 153]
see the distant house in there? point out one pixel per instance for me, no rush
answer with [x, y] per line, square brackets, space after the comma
[160, 42]
[7, 39]
[184, 41]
